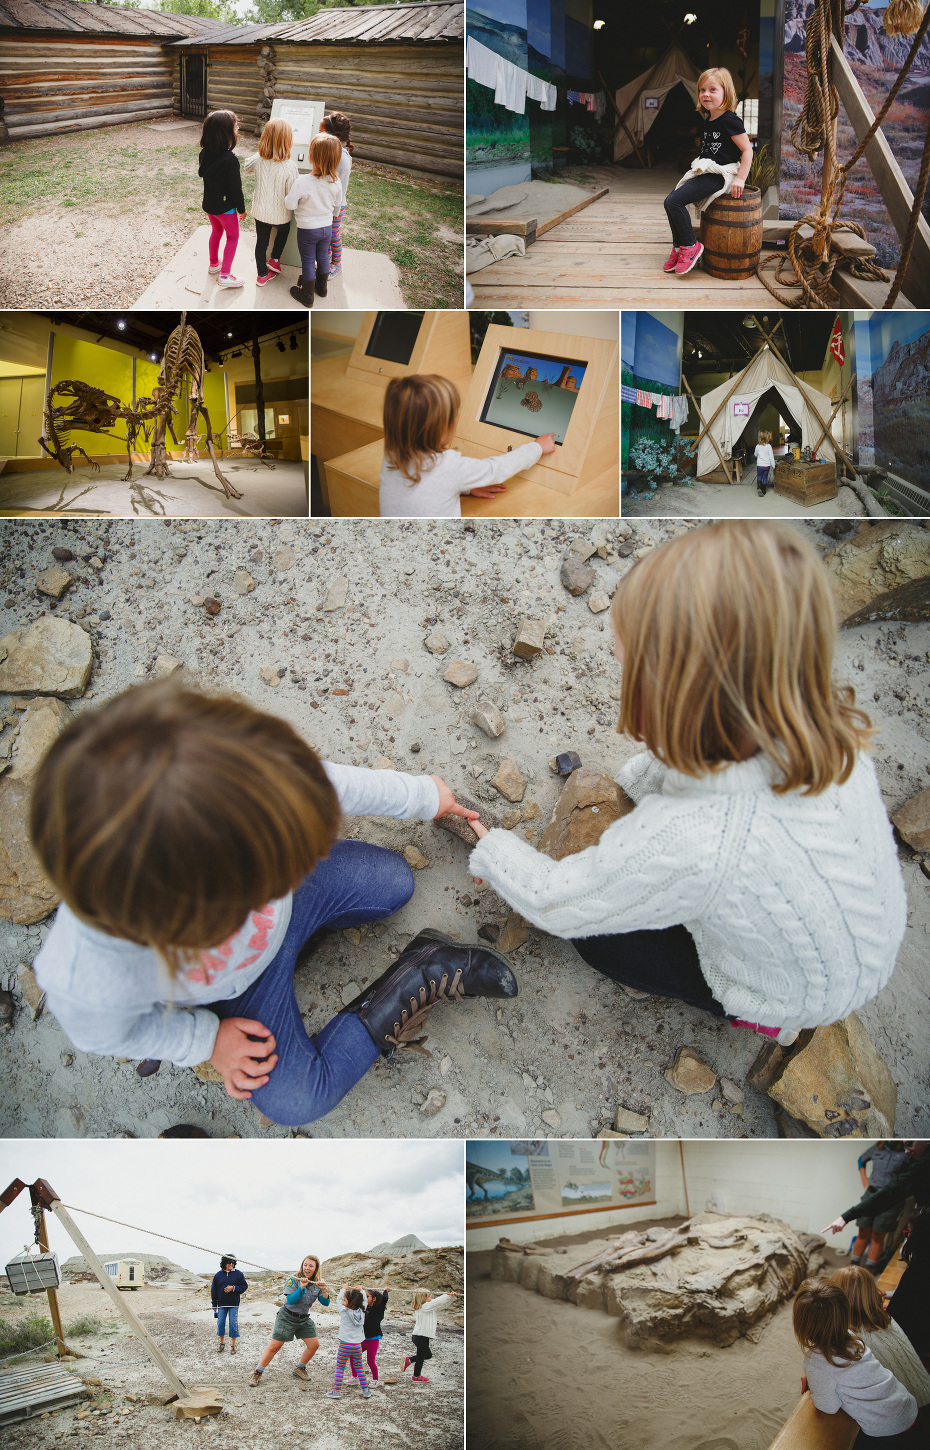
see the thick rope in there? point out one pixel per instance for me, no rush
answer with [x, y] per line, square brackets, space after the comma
[814, 259]
[156, 1235]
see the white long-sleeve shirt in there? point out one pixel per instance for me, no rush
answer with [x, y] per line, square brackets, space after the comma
[438, 494]
[114, 997]
[273, 181]
[314, 200]
[424, 1320]
[878, 1403]
[795, 902]
[765, 458]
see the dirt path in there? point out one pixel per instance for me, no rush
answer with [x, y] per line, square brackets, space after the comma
[572, 1046]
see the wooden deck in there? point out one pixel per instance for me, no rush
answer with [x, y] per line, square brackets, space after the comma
[611, 255]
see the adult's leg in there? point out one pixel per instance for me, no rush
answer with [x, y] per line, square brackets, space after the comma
[231, 228]
[310, 1348]
[233, 1321]
[262, 238]
[280, 240]
[268, 1354]
[221, 1323]
[216, 235]
[665, 962]
[695, 189]
[356, 883]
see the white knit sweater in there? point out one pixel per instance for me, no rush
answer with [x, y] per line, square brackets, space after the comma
[795, 903]
[894, 1350]
[424, 1320]
[273, 180]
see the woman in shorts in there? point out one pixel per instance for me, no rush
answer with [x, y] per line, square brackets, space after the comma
[301, 1291]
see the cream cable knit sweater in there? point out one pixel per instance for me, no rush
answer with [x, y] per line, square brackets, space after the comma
[894, 1350]
[424, 1320]
[273, 180]
[796, 903]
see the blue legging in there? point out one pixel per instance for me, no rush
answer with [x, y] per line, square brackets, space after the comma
[356, 883]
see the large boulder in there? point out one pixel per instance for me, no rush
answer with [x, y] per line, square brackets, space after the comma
[26, 894]
[838, 1085]
[49, 657]
[882, 571]
[588, 804]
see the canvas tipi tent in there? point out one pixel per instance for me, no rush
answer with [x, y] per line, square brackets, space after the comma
[640, 101]
[764, 374]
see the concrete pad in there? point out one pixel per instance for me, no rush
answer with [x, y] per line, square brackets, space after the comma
[368, 280]
[192, 491]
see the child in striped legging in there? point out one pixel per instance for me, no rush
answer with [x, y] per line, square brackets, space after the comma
[338, 125]
[351, 1333]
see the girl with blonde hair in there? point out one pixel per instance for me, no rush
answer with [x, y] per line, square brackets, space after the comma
[870, 1321]
[425, 1310]
[720, 168]
[757, 876]
[422, 475]
[275, 174]
[316, 198]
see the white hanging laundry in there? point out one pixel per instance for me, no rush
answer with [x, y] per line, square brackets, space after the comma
[510, 90]
[482, 63]
[679, 412]
[539, 90]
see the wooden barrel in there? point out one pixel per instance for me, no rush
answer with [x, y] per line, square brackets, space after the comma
[731, 231]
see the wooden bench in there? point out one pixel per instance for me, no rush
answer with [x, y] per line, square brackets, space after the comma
[892, 1274]
[808, 1428]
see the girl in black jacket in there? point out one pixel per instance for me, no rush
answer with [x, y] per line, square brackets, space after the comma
[222, 190]
[226, 1290]
[375, 1305]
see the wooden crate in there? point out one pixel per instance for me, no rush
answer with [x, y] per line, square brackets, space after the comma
[805, 483]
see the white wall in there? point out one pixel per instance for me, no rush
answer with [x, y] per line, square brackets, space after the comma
[579, 324]
[669, 1201]
[807, 1184]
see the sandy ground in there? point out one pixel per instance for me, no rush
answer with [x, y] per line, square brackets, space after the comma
[722, 500]
[126, 1387]
[191, 491]
[573, 1045]
[546, 1375]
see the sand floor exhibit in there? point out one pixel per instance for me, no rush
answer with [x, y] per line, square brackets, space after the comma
[190, 491]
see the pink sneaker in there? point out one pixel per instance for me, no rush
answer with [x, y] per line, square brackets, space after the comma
[687, 257]
[784, 1036]
[274, 266]
[406, 1362]
[260, 281]
[672, 262]
[421, 1379]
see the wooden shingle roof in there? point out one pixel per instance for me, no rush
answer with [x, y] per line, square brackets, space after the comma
[422, 22]
[76, 17]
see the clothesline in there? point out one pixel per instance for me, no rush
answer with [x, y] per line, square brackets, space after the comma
[512, 85]
[672, 407]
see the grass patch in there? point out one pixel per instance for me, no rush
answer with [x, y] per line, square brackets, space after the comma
[85, 1324]
[387, 213]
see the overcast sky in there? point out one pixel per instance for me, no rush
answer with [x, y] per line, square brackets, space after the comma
[271, 1201]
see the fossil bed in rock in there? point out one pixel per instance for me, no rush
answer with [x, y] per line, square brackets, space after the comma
[361, 684]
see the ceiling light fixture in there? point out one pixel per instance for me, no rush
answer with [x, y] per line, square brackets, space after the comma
[293, 342]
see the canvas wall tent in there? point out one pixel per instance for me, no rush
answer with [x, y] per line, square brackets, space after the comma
[765, 373]
[645, 97]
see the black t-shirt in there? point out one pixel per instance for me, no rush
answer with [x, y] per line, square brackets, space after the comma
[717, 144]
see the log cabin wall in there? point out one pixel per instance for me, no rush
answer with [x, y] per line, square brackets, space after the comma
[52, 84]
[234, 83]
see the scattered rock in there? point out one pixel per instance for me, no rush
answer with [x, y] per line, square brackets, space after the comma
[243, 583]
[732, 1092]
[32, 993]
[598, 603]
[349, 993]
[913, 821]
[53, 582]
[628, 1122]
[336, 598]
[207, 1072]
[402, 665]
[514, 933]
[212, 606]
[489, 931]
[531, 811]
[382, 763]
[487, 716]
[460, 673]
[445, 1065]
[352, 934]
[509, 781]
[576, 576]
[530, 639]
[437, 643]
[625, 550]
[565, 763]
[415, 858]
[583, 549]
[838, 1085]
[458, 826]
[767, 1067]
[49, 657]
[62, 554]
[689, 1074]
[512, 818]
[588, 804]
[270, 675]
[435, 1102]
[7, 1008]
[285, 558]
[882, 571]
[552, 1118]
[26, 895]
[166, 665]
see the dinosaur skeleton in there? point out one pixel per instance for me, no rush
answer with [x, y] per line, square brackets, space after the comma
[91, 410]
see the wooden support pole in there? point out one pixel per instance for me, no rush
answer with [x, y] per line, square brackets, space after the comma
[707, 426]
[623, 123]
[825, 432]
[847, 462]
[706, 429]
[106, 1283]
[42, 1233]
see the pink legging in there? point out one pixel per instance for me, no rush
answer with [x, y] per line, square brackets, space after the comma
[228, 224]
[370, 1347]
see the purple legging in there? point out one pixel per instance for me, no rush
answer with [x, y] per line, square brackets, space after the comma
[228, 224]
[370, 1347]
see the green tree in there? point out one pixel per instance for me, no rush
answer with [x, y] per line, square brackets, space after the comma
[268, 12]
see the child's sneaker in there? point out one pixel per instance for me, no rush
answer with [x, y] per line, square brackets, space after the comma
[784, 1036]
[406, 1362]
[760, 491]
[366, 1394]
[687, 258]
[334, 1394]
[229, 281]
[334, 271]
[274, 266]
[672, 262]
[421, 1379]
[212, 271]
[260, 281]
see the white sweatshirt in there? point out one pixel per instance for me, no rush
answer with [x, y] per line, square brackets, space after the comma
[424, 1320]
[345, 171]
[438, 494]
[795, 903]
[865, 1390]
[765, 458]
[114, 997]
[273, 180]
[315, 200]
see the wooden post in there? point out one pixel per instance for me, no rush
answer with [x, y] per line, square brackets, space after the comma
[826, 433]
[106, 1283]
[623, 123]
[706, 428]
[42, 1232]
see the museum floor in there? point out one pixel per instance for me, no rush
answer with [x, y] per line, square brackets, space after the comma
[192, 491]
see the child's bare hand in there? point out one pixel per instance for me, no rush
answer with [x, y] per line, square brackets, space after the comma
[547, 442]
[490, 491]
[448, 805]
[478, 828]
[243, 1063]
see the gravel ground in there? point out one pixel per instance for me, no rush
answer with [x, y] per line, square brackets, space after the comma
[126, 1389]
[573, 1045]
